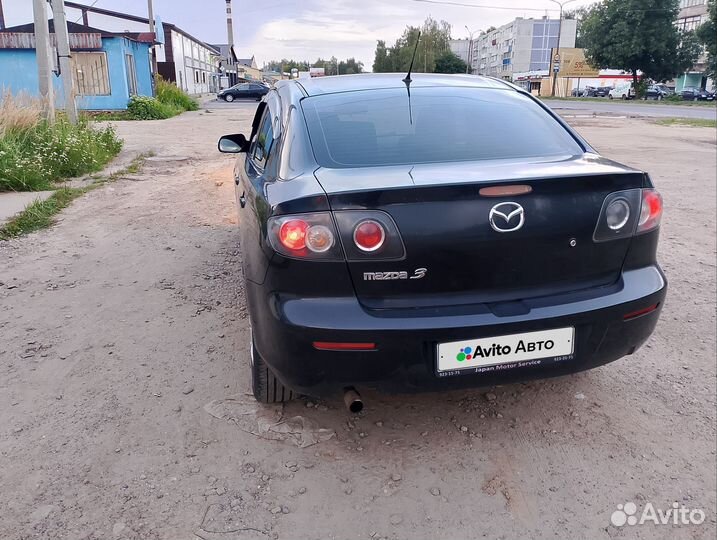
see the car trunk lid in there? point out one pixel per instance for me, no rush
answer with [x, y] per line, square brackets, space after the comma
[444, 223]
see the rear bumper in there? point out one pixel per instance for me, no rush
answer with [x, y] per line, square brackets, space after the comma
[285, 328]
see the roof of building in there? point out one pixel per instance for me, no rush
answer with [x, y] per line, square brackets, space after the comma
[372, 81]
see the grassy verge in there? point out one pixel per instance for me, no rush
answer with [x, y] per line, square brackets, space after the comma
[35, 153]
[679, 103]
[694, 122]
[40, 214]
[170, 101]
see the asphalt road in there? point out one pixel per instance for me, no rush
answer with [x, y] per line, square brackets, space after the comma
[630, 108]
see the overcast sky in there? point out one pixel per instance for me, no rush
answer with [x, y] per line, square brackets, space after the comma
[307, 29]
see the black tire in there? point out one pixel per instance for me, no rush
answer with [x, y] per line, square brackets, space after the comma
[264, 384]
[228, 98]
[609, 96]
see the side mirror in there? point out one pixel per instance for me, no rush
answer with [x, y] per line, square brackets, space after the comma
[233, 144]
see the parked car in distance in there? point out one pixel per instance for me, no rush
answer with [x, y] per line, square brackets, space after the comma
[692, 93]
[623, 91]
[603, 91]
[585, 91]
[387, 243]
[253, 90]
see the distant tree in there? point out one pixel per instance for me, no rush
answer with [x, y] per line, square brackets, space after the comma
[435, 38]
[449, 62]
[638, 35]
[707, 34]
[380, 59]
[285, 65]
[349, 66]
[579, 15]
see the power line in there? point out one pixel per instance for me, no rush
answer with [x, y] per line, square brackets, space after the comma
[90, 6]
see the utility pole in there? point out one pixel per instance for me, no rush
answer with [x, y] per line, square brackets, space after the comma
[43, 55]
[2, 17]
[153, 51]
[469, 67]
[63, 51]
[556, 58]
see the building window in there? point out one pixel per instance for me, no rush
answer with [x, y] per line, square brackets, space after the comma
[90, 74]
[196, 76]
[204, 77]
[131, 74]
[689, 3]
[689, 23]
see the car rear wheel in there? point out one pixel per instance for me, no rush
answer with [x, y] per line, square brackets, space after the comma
[624, 96]
[695, 98]
[609, 96]
[264, 384]
[229, 98]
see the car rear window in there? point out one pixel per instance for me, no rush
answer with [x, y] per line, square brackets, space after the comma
[381, 127]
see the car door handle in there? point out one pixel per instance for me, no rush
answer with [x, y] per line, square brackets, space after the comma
[242, 200]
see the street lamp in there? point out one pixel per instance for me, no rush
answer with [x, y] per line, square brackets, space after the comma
[469, 67]
[557, 50]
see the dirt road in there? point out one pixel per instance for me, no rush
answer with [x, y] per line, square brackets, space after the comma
[124, 391]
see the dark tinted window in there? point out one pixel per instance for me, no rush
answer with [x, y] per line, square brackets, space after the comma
[261, 147]
[376, 127]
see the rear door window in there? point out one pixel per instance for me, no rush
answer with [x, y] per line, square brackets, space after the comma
[385, 127]
[262, 144]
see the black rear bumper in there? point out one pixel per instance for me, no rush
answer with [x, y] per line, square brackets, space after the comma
[285, 328]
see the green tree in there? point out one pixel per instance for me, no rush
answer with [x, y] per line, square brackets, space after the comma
[707, 34]
[349, 66]
[579, 14]
[380, 59]
[449, 62]
[637, 35]
[435, 37]
[285, 65]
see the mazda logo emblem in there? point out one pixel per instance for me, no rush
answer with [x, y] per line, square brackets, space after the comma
[506, 217]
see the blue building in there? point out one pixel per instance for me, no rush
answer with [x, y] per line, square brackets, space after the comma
[107, 68]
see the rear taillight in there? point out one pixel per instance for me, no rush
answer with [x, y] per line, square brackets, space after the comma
[361, 235]
[650, 211]
[305, 236]
[369, 235]
[629, 212]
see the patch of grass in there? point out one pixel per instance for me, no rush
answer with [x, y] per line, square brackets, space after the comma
[35, 153]
[694, 122]
[171, 95]
[40, 214]
[149, 108]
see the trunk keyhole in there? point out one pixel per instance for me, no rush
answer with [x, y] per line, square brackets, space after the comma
[573, 242]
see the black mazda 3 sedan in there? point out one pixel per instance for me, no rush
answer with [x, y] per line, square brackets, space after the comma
[435, 232]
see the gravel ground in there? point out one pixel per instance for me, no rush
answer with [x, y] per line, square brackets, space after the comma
[125, 410]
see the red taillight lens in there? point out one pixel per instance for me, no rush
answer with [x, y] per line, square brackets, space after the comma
[305, 236]
[292, 234]
[650, 211]
[369, 235]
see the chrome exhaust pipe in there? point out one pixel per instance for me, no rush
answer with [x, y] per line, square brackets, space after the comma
[352, 400]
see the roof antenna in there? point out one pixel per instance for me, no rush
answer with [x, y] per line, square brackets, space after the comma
[407, 79]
